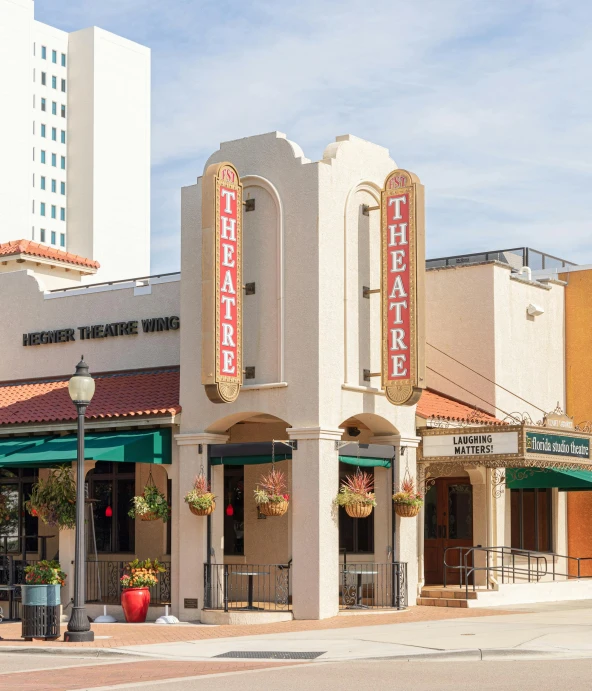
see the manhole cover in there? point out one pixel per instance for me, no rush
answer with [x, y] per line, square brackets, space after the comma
[272, 654]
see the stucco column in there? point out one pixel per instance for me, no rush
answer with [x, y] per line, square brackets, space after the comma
[218, 515]
[407, 530]
[480, 487]
[189, 532]
[382, 515]
[499, 529]
[315, 529]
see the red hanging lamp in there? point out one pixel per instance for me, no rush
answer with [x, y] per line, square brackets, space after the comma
[108, 512]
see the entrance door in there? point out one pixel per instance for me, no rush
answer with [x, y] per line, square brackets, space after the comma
[448, 523]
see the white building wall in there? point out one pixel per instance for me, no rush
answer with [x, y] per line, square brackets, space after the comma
[16, 72]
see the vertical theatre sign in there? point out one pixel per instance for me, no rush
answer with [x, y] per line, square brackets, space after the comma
[402, 287]
[222, 208]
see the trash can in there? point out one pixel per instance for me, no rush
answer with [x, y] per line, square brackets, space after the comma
[41, 612]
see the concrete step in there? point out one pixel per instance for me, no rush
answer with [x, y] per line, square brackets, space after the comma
[431, 593]
[442, 602]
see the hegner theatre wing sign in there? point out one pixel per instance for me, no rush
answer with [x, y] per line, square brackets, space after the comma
[402, 287]
[222, 211]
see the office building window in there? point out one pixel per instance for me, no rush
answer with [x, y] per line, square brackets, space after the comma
[54, 186]
[54, 56]
[43, 52]
[62, 188]
[63, 85]
[54, 160]
[54, 134]
[62, 214]
[63, 111]
[43, 182]
[53, 237]
[43, 130]
[112, 485]
[44, 78]
[33, 233]
[63, 59]
[54, 108]
[53, 212]
[63, 136]
[33, 126]
[43, 157]
[62, 239]
[33, 74]
[15, 489]
[33, 179]
[42, 210]
[54, 82]
[531, 519]
[42, 104]
[33, 206]
[63, 163]
[42, 234]
[33, 153]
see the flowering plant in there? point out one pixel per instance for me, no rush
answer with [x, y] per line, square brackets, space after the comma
[54, 500]
[356, 489]
[272, 488]
[150, 504]
[407, 494]
[45, 573]
[141, 574]
[200, 497]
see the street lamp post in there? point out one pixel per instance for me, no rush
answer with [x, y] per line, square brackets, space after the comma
[81, 388]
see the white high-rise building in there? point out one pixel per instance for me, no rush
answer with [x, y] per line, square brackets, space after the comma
[75, 133]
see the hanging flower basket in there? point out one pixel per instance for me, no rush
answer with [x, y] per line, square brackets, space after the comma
[54, 500]
[151, 505]
[356, 495]
[407, 500]
[200, 499]
[271, 494]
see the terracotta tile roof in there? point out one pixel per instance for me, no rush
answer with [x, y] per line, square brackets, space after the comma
[121, 394]
[441, 407]
[34, 249]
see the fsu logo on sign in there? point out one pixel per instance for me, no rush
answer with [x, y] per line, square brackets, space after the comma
[402, 288]
[222, 208]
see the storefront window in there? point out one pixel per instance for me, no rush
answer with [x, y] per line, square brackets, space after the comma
[15, 490]
[356, 535]
[111, 487]
[234, 510]
[531, 519]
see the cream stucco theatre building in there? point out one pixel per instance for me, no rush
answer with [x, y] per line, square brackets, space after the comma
[272, 353]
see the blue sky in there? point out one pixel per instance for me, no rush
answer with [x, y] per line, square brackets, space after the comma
[487, 101]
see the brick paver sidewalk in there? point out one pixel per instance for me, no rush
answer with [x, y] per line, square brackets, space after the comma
[71, 678]
[121, 635]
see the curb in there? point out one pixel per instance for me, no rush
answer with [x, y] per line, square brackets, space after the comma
[485, 654]
[69, 652]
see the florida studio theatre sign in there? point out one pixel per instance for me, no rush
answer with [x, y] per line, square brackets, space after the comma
[222, 211]
[402, 287]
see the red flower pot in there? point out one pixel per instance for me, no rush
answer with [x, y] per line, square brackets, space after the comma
[135, 603]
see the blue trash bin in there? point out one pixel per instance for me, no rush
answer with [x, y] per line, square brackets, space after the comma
[41, 611]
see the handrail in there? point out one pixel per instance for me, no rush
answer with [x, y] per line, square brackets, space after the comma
[534, 571]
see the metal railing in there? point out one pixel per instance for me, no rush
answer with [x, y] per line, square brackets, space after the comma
[103, 583]
[373, 586]
[508, 564]
[247, 587]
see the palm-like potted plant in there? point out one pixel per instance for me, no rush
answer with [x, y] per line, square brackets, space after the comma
[271, 495]
[54, 500]
[356, 494]
[136, 582]
[408, 501]
[151, 505]
[200, 499]
[41, 600]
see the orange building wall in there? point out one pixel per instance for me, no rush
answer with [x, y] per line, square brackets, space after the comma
[578, 357]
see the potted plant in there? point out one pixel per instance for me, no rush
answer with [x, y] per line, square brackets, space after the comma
[151, 505]
[200, 499]
[408, 501]
[136, 582]
[356, 494]
[54, 500]
[271, 495]
[41, 600]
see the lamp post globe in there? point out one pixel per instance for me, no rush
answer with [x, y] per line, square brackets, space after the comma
[81, 388]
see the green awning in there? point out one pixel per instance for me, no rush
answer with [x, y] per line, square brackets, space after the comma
[366, 462]
[12, 445]
[143, 446]
[248, 460]
[544, 478]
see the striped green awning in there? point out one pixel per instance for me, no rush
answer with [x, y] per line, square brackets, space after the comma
[142, 446]
[366, 461]
[544, 478]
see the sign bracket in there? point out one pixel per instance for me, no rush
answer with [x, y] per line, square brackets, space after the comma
[366, 209]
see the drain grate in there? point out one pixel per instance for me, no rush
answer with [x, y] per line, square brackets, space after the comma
[272, 654]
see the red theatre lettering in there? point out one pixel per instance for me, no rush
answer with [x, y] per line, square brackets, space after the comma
[222, 283]
[403, 267]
